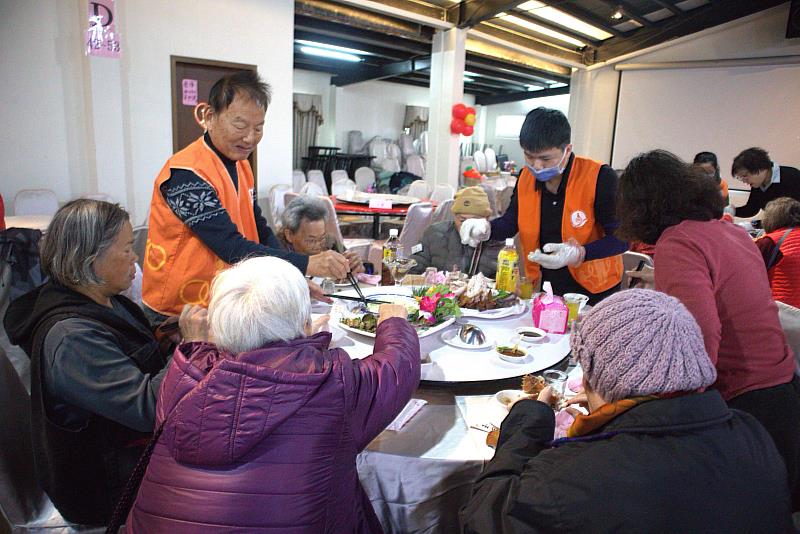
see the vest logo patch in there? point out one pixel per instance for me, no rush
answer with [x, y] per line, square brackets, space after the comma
[578, 219]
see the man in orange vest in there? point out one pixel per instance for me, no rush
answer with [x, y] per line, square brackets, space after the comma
[563, 208]
[203, 212]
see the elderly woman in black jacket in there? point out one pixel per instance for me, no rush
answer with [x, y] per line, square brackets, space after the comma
[657, 453]
[95, 363]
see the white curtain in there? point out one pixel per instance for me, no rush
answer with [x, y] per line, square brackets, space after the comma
[416, 120]
[307, 119]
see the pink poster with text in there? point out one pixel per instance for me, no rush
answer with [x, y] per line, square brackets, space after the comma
[102, 38]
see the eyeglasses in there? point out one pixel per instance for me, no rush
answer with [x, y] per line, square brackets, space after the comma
[315, 241]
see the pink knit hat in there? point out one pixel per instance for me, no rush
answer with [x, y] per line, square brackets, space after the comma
[641, 342]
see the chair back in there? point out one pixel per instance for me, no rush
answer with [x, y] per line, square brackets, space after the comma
[365, 177]
[21, 499]
[415, 165]
[491, 159]
[422, 148]
[790, 322]
[406, 145]
[443, 212]
[391, 165]
[419, 189]
[332, 221]
[339, 174]
[276, 202]
[342, 187]
[442, 192]
[417, 221]
[35, 202]
[480, 161]
[298, 180]
[317, 178]
[287, 199]
[140, 243]
[630, 262]
[99, 196]
[489, 190]
[313, 189]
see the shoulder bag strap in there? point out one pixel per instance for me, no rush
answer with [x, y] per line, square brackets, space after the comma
[777, 248]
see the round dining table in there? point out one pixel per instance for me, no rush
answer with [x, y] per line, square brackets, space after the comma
[342, 207]
[419, 474]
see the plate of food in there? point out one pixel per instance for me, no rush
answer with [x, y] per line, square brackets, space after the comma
[358, 197]
[477, 297]
[356, 318]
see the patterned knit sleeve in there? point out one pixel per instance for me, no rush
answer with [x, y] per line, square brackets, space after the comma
[197, 205]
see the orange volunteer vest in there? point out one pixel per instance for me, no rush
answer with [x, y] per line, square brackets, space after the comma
[178, 267]
[577, 222]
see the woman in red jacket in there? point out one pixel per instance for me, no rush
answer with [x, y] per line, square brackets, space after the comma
[780, 248]
[716, 271]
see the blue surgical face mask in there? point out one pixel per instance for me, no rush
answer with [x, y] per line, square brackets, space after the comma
[548, 173]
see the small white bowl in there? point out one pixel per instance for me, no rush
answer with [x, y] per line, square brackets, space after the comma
[511, 359]
[507, 397]
[531, 335]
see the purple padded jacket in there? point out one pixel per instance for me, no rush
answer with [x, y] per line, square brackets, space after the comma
[266, 441]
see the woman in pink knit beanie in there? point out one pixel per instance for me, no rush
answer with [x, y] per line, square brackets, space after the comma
[657, 452]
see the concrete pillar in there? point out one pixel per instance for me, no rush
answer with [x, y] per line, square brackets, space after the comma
[447, 88]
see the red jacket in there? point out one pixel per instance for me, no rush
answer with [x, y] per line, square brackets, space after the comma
[266, 441]
[784, 276]
[717, 272]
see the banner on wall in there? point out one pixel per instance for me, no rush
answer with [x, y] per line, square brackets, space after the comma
[102, 38]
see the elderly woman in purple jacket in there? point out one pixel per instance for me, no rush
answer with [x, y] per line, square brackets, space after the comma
[262, 428]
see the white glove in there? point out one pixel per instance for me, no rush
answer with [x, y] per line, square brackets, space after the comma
[474, 231]
[558, 255]
[730, 210]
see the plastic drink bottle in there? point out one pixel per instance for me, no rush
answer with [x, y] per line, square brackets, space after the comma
[507, 267]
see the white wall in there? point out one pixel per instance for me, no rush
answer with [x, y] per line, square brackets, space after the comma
[377, 108]
[594, 92]
[319, 83]
[511, 144]
[85, 124]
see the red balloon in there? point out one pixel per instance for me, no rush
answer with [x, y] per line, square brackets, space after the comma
[468, 130]
[471, 110]
[459, 111]
[457, 126]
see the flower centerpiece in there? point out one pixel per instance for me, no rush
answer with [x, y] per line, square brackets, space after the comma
[436, 304]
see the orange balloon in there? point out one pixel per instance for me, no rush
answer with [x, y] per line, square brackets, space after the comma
[470, 119]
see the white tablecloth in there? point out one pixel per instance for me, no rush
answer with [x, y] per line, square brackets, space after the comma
[418, 478]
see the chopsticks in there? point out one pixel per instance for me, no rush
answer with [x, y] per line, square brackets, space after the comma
[357, 299]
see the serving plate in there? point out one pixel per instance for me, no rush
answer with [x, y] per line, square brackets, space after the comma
[497, 313]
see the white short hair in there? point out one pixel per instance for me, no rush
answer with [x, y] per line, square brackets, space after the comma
[258, 301]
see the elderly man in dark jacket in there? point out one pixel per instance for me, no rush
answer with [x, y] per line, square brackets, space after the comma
[656, 453]
[441, 245]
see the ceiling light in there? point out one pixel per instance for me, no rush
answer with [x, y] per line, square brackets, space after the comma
[557, 85]
[544, 31]
[468, 79]
[564, 19]
[617, 14]
[333, 54]
[326, 46]
[534, 88]
[471, 74]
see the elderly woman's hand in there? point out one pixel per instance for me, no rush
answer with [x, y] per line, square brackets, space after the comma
[328, 264]
[546, 395]
[320, 323]
[356, 265]
[194, 323]
[644, 279]
[387, 311]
